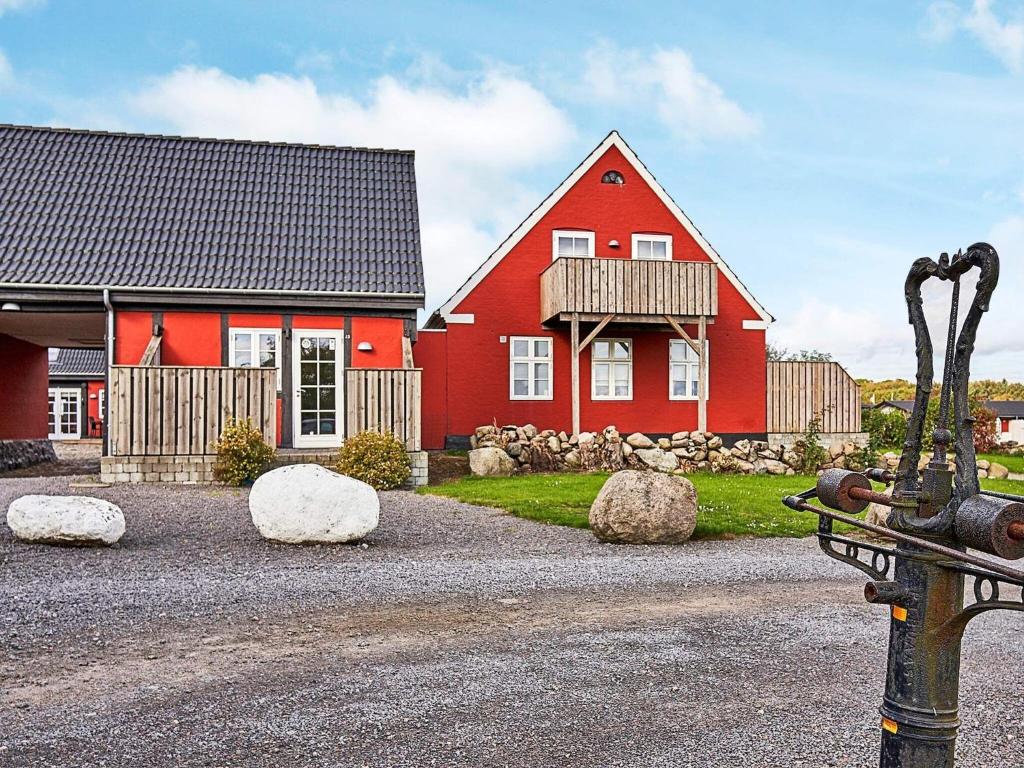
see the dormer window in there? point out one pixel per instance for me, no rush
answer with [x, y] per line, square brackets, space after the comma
[570, 242]
[612, 177]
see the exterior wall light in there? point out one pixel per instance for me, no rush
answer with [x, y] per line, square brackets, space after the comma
[613, 243]
[365, 346]
[10, 306]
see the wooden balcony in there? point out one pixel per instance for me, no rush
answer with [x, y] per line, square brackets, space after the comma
[631, 290]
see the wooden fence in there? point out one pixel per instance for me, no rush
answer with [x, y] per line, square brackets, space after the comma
[799, 391]
[384, 400]
[169, 410]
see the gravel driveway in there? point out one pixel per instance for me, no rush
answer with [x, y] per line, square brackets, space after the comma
[455, 636]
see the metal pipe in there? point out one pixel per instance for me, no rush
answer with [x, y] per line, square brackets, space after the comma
[794, 502]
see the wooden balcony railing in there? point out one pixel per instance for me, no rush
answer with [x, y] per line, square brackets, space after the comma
[629, 288]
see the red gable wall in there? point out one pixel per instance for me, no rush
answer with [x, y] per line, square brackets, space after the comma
[507, 303]
[23, 390]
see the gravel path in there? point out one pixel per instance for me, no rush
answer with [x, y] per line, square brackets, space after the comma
[455, 636]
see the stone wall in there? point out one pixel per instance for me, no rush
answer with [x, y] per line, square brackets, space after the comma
[199, 469]
[550, 451]
[15, 454]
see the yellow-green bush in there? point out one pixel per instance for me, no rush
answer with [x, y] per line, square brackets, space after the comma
[376, 459]
[242, 456]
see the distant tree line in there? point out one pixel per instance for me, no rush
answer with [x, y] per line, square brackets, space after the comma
[901, 389]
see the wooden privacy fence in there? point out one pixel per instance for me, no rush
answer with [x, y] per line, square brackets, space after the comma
[384, 400]
[798, 391]
[169, 410]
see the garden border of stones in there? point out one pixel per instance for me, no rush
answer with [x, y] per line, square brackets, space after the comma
[511, 449]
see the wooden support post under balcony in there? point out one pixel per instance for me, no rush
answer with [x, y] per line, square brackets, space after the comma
[574, 342]
[702, 387]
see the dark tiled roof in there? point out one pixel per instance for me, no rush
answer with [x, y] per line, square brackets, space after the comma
[90, 208]
[1005, 409]
[79, 362]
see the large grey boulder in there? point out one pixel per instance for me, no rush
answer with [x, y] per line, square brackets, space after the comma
[70, 520]
[644, 508]
[491, 462]
[657, 459]
[305, 503]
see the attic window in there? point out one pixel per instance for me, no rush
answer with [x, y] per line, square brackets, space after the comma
[612, 177]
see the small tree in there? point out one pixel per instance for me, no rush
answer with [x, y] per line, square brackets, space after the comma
[377, 459]
[986, 435]
[242, 455]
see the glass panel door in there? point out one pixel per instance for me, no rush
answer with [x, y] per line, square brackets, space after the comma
[65, 414]
[317, 359]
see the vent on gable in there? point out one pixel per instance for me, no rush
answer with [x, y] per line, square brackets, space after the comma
[612, 177]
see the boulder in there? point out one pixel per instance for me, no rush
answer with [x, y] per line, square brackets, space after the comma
[680, 436]
[835, 448]
[698, 437]
[491, 462]
[610, 433]
[586, 437]
[741, 448]
[644, 508]
[664, 443]
[71, 520]
[554, 444]
[878, 513]
[774, 467]
[714, 443]
[997, 471]
[304, 503]
[984, 463]
[639, 440]
[627, 449]
[655, 458]
[530, 431]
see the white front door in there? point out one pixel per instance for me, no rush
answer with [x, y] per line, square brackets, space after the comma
[65, 418]
[317, 370]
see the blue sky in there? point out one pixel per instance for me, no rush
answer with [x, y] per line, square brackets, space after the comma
[819, 146]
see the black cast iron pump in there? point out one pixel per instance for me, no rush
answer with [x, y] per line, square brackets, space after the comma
[936, 518]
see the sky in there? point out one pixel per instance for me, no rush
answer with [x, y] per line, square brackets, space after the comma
[820, 147]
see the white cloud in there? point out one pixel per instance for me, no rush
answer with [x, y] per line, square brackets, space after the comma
[867, 330]
[471, 142]
[941, 20]
[18, 5]
[6, 72]
[687, 102]
[1003, 39]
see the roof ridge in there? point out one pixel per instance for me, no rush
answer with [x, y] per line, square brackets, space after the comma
[209, 139]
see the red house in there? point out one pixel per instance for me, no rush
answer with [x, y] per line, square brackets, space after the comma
[605, 306]
[272, 282]
[77, 396]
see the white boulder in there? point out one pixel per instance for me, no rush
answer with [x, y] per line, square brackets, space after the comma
[657, 459]
[491, 462]
[74, 520]
[308, 503]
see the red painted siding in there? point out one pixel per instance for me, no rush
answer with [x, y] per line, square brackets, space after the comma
[94, 424]
[24, 385]
[507, 303]
[132, 332]
[384, 334]
[431, 354]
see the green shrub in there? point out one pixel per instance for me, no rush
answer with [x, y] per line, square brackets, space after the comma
[377, 459]
[887, 430]
[242, 456]
[809, 449]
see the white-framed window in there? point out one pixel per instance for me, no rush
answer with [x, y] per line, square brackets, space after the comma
[611, 369]
[255, 348]
[571, 242]
[101, 404]
[683, 371]
[530, 366]
[656, 247]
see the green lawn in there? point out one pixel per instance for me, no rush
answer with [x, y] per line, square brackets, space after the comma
[729, 505]
[1013, 463]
